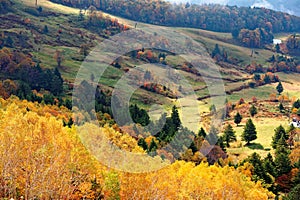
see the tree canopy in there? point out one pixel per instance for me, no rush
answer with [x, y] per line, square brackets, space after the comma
[211, 17]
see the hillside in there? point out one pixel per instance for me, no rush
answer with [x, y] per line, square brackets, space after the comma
[236, 78]
[59, 44]
[139, 104]
[211, 17]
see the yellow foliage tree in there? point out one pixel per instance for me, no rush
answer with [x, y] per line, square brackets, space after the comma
[39, 157]
[42, 159]
[184, 180]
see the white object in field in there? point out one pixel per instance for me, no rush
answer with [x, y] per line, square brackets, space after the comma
[296, 124]
[277, 41]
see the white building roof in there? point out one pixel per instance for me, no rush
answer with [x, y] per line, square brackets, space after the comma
[277, 41]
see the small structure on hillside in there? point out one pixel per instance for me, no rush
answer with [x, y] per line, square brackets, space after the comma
[277, 41]
[295, 123]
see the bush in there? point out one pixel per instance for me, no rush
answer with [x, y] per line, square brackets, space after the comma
[251, 84]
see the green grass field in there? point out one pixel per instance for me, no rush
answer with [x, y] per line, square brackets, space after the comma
[210, 39]
[262, 145]
[291, 84]
[69, 66]
[262, 93]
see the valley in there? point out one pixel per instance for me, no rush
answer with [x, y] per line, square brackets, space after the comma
[200, 79]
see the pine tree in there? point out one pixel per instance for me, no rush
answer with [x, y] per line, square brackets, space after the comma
[279, 132]
[56, 85]
[229, 135]
[139, 116]
[269, 165]
[238, 118]
[293, 194]
[216, 51]
[202, 133]
[249, 133]
[152, 147]
[142, 143]
[282, 142]
[175, 118]
[279, 88]
[69, 123]
[68, 104]
[220, 143]
[257, 77]
[272, 59]
[282, 160]
[57, 73]
[40, 9]
[296, 104]
[193, 147]
[281, 107]
[267, 79]
[259, 170]
[235, 33]
[277, 47]
[253, 110]
[46, 30]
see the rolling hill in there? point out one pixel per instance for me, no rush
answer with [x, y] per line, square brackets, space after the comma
[53, 56]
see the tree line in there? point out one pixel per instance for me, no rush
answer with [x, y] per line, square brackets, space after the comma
[5, 6]
[18, 66]
[210, 17]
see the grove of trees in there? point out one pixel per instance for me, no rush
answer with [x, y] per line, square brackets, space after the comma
[42, 159]
[211, 17]
[18, 66]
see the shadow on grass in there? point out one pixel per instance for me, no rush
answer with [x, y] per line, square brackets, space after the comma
[255, 146]
[240, 125]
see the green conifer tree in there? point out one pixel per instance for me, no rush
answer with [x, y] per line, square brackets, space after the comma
[238, 118]
[279, 88]
[229, 135]
[249, 133]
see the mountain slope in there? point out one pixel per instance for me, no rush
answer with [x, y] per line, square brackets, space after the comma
[209, 17]
[42, 47]
[291, 7]
[48, 45]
